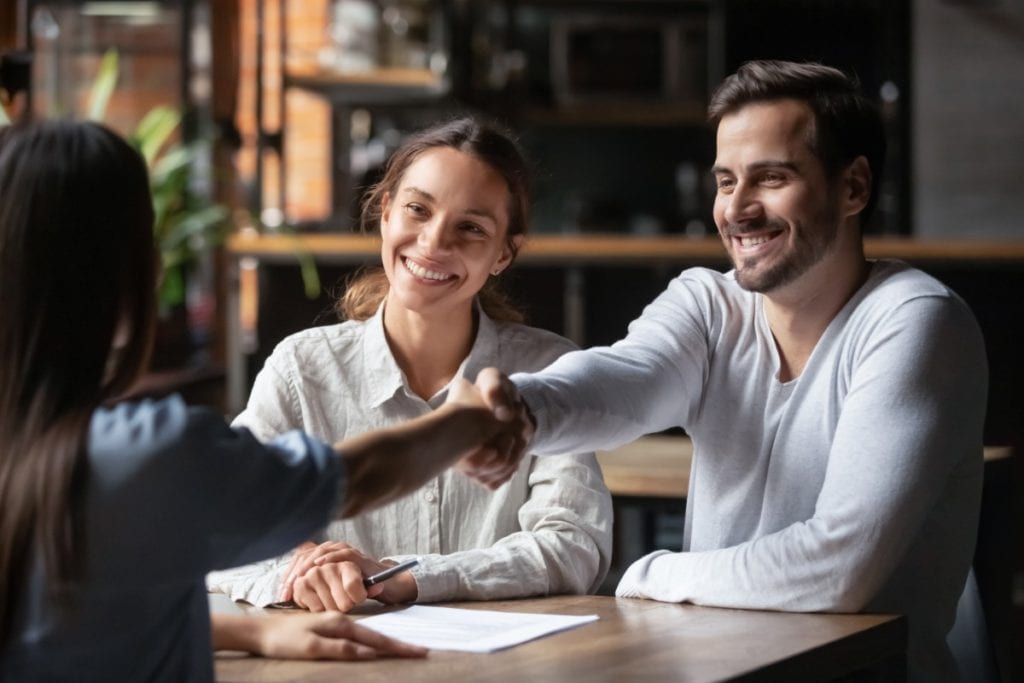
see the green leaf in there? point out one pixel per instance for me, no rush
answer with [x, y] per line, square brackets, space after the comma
[310, 274]
[103, 86]
[154, 130]
[307, 265]
[174, 160]
[185, 226]
[172, 288]
[190, 234]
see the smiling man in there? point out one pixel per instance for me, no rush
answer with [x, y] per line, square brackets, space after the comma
[835, 403]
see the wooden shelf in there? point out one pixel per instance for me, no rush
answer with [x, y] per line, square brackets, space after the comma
[572, 252]
[614, 249]
[377, 85]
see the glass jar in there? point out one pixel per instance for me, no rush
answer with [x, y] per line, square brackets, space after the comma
[353, 33]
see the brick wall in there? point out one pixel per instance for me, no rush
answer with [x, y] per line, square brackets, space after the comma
[308, 145]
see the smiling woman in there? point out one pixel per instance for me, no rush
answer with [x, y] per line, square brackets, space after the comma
[452, 212]
[444, 233]
[496, 204]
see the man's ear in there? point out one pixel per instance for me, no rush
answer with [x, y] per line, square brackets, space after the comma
[857, 186]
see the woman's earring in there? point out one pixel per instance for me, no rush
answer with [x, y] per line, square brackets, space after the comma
[496, 272]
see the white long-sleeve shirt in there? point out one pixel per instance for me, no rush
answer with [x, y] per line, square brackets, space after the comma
[546, 531]
[854, 487]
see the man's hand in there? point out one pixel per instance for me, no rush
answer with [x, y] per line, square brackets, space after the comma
[330, 577]
[306, 636]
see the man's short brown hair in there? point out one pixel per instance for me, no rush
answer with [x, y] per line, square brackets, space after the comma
[846, 124]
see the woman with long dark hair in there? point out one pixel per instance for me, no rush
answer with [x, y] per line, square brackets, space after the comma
[114, 511]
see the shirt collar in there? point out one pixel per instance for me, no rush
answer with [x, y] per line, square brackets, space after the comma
[385, 378]
[485, 347]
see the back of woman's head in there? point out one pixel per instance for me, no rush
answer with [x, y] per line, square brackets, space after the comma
[76, 261]
[76, 264]
[484, 141]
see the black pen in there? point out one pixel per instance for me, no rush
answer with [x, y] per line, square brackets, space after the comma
[389, 572]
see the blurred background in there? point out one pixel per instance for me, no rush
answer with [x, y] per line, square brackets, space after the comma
[277, 114]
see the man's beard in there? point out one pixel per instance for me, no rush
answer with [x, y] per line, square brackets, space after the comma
[811, 246]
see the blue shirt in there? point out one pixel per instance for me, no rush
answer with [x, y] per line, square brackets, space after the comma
[172, 493]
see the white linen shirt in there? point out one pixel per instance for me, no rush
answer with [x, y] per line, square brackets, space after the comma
[546, 531]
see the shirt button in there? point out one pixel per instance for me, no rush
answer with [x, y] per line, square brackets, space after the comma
[430, 496]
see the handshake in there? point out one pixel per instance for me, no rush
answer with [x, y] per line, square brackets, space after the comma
[484, 429]
[505, 423]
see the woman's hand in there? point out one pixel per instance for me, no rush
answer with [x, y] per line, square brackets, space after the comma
[305, 636]
[329, 576]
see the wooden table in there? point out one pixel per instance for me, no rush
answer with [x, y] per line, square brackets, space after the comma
[651, 467]
[659, 466]
[634, 640]
[649, 480]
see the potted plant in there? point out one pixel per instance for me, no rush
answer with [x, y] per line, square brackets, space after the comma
[187, 225]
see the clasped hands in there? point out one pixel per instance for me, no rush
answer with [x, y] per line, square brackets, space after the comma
[498, 459]
[329, 577]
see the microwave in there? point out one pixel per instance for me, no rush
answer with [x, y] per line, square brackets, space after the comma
[604, 57]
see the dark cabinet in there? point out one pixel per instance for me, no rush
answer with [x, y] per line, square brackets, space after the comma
[608, 98]
[869, 38]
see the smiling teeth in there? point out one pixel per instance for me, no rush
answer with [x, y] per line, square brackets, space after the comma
[754, 241]
[419, 271]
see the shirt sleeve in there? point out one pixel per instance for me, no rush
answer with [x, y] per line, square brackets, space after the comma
[911, 423]
[273, 405]
[273, 409]
[284, 490]
[564, 545]
[258, 583]
[605, 397]
[193, 482]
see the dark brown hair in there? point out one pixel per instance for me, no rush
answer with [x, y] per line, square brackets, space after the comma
[76, 260]
[846, 124]
[484, 141]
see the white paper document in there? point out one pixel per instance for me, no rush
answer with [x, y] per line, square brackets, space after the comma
[469, 630]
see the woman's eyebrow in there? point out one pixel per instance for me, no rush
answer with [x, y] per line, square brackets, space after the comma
[480, 213]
